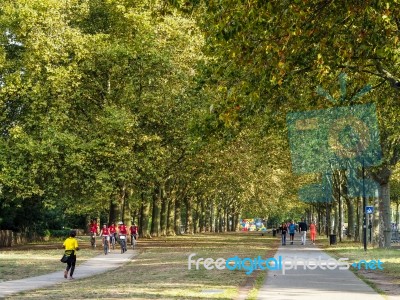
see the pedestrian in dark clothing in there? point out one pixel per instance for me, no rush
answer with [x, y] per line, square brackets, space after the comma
[283, 229]
[303, 231]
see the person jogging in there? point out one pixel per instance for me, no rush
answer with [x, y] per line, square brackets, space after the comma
[292, 229]
[303, 231]
[71, 246]
[313, 232]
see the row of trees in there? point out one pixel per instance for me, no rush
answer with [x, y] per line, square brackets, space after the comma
[273, 56]
[174, 114]
[104, 111]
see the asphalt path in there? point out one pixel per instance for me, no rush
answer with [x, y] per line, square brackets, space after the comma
[312, 279]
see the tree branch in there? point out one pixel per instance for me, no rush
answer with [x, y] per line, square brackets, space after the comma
[394, 82]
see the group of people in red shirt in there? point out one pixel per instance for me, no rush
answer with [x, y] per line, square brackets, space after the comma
[111, 231]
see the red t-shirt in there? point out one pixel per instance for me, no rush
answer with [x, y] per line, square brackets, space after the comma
[313, 228]
[112, 229]
[134, 229]
[122, 229]
[105, 231]
[93, 228]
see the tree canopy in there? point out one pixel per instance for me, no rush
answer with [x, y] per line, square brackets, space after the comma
[175, 112]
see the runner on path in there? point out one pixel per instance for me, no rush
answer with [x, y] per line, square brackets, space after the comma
[71, 246]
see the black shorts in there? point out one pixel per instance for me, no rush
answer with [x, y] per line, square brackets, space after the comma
[291, 234]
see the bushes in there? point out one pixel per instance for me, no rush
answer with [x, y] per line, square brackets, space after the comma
[59, 233]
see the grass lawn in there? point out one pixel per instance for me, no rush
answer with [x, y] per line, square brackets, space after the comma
[161, 270]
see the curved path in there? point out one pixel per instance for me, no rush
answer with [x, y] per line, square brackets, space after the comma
[90, 267]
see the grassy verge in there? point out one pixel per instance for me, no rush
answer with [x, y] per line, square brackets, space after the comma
[253, 294]
[161, 271]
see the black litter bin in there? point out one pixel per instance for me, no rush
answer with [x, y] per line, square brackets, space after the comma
[332, 239]
[273, 232]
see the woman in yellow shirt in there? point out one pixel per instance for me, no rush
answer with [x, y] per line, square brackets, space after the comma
[71, 246]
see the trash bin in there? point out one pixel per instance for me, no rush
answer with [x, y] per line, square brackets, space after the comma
[273, 232]
[332, 239]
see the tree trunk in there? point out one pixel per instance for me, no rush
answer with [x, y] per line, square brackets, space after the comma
[335, 218]
[196, 217]
[189, 216]
[177, 216]
[385, 222]
[359, 219]
[170, 215]
[237, 222]
[320, 219]
[226, 220]
[155, 215]
[117, 205]
[212, 217]
[127, 212]
[350, 218]
[375, 221]
[144, 217]
[383, 178]
[114, 212]
[221, 220]
[328, 219]
[202, 221]
[164, 212]
[88, 220]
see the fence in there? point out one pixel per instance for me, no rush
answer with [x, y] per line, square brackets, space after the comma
[8, 238]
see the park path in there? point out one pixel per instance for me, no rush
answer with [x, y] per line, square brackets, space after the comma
[309, 284]
[96, 265]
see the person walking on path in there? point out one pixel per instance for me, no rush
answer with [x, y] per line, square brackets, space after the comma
[283, 230]
[303, 231]
[313, 232]
[292, 229]
[71, 246]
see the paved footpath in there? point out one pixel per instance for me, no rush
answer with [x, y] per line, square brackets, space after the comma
[309, 284]
[93, 266]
